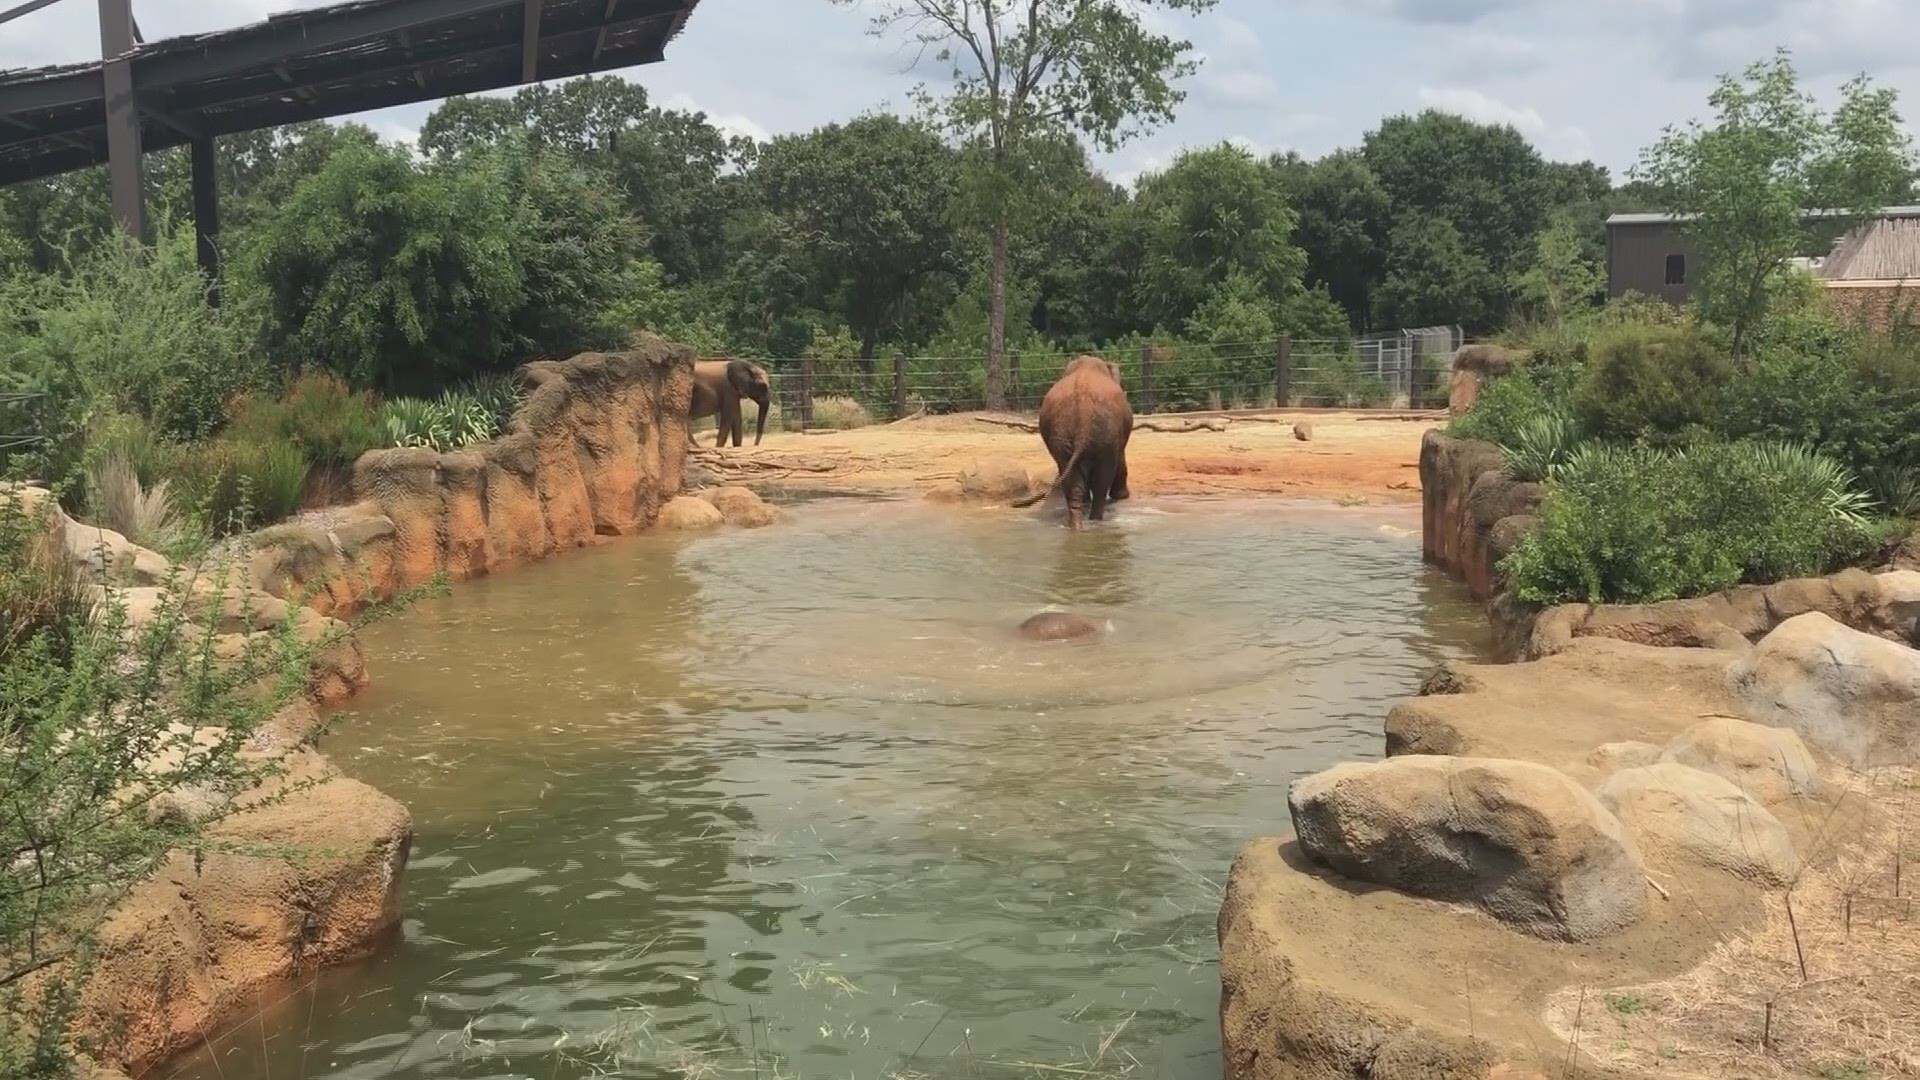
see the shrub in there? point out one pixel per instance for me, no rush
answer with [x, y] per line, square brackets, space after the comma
[143, 514]
[1505, 406]
[1337, 380]
[1660, 384]
[1640, 524]
[840, 413]
[455, 419]
[239, 483]
[1542, 444]
[330, 423]
[43, 601]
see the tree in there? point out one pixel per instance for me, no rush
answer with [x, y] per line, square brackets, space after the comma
[867, 202]
[1018, 70]
[1343, 220]
[1563, 278]
[1433, 276]
[1484, 181]
[1750, 179]
[1215, 216]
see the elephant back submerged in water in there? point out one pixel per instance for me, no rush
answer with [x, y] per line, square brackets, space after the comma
[1085, 421]
[1058, 626]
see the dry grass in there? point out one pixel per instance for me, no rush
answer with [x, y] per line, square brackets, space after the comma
[1852, 925]
[146, 516]
[839, 413]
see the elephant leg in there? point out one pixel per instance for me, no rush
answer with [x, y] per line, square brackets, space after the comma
[1100, 481]
[1076, 497]
[1120, 490]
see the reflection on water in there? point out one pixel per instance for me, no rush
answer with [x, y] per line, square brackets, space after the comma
[799, 802]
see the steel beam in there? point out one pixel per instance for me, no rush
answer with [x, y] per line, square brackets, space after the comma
[123, 118]
[530, 43]
[206, 212]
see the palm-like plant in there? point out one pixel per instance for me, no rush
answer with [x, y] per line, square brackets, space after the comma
[1541, 445]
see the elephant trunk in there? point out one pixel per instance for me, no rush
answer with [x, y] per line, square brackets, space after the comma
[760, 424]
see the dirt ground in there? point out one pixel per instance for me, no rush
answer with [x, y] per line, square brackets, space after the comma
[1351, 457]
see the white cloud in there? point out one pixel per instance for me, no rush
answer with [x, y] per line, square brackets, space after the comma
[731, 124]
[1484, 108]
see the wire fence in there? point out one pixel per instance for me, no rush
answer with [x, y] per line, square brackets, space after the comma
[15, 432]
[1403, 369]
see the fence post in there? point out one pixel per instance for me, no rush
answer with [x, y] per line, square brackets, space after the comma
[1013, 378]
[1146, 378]
[806, 389]
[1283, 372]
[899, 386]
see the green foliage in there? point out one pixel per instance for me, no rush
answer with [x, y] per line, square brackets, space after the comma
[1542, 444]
[144, 514]
[1506, 406]
[839, 412]
[240, 483]
[1216, 220]
[1769, 157]
[1338, 380]
[1433, 277]
[461, 417]
[1655, 383]
[1638, 524]
[330, 424]
[1344, 214]
[1564, 278]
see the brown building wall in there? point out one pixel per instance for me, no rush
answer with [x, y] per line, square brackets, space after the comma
[1879, 305]
[1637, 256]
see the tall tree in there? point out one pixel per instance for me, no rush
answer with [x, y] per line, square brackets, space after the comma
[868, 201]
[1485, 181]
[1770, 156]
[1344, 217]
[1016, 68]
[1214, 216]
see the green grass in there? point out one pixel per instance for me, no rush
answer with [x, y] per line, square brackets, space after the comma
[1627, 1004]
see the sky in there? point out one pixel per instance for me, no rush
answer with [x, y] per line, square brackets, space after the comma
[1583, 79]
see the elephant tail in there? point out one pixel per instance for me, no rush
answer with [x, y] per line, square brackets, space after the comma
[1065, 472]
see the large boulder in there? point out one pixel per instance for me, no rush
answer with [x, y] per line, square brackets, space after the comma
[740, 506]
[1522, 841]
[994, 480]
[1770, 763]
[686, 513]
[1850, 693]
[1679, 815]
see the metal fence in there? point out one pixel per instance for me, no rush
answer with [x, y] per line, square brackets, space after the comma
[16, 434]
[1407, 369]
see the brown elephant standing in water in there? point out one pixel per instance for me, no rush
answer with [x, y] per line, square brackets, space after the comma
[1085, 421]
[718, 386]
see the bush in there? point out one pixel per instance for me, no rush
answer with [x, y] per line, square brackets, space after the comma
[1507, 404]
[1337, 380]
[458, 418]
[330, 424]
[1640, 524]
[1542, 445]
[840, 413]
[239, 483]
[1852, 394]
[1653, 383]
[144, 514]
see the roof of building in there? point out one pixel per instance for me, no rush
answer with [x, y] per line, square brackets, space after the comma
[321, 62]
[1668, 219]
[1886, 249]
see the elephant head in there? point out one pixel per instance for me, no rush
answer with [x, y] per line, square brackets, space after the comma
[750, 381]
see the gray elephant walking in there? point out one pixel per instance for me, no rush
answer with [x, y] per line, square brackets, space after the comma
[718, 386]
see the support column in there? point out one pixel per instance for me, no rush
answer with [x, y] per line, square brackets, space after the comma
[206, 213]
[123, 119]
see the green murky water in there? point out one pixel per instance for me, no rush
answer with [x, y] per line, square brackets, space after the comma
[796, 802]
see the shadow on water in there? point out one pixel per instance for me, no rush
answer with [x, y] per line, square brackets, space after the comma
[800, 802]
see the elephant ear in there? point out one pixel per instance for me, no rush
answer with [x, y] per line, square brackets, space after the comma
[1114, 370]
[740, 374]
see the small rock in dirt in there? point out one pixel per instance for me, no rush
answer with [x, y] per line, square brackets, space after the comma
[740, 506]
[1680, 816]
[686, 513]
[1850, 693]
[1614, 756]
[1303, 432]
[994, 480]
[1770, 763]
[1520, 840]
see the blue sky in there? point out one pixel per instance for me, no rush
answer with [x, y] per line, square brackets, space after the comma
[1582, 78]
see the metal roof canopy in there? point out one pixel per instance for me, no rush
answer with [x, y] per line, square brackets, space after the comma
[311, 64]
[1680, 219]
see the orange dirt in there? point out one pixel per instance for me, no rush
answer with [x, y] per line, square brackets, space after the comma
[1352, 457]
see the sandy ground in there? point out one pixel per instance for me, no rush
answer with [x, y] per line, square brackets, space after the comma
[1352, 457]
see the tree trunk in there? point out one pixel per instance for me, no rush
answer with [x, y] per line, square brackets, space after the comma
[997, 318]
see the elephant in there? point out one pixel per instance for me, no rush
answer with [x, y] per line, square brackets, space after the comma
[718, 386]
[1085, 421]
[1058, 626]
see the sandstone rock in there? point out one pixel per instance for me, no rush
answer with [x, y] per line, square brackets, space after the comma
[994, 480]
[195, 945]
[1303, 431]
[1614, 756]
[1522, 841]
[1679, 815]
[1770, 763]
[740, 506]
[1850, 693]
[687, 513]
[107, 554]
[946, 492]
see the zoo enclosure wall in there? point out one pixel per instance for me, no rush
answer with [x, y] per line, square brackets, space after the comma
[1407, 369]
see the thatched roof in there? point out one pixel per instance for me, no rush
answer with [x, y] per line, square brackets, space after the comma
[1885, 249]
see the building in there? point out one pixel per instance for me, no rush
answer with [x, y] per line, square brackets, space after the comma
[1651, 255]
[1873, 274]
